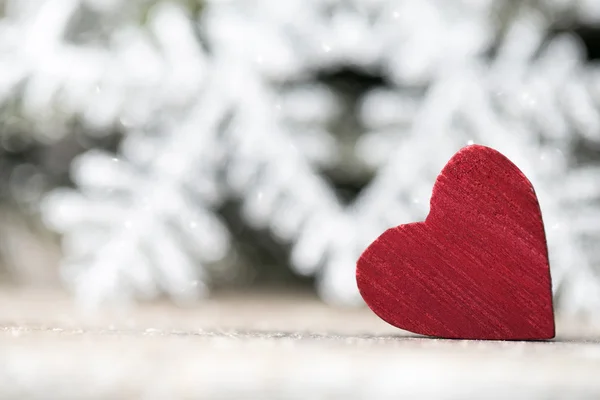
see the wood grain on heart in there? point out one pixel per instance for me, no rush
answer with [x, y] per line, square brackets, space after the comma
[476, 268]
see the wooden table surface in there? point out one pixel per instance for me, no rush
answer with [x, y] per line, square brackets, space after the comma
[269, 345]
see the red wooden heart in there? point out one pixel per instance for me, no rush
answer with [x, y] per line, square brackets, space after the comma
[476, 268]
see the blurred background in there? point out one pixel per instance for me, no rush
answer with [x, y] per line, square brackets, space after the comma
[171, 149]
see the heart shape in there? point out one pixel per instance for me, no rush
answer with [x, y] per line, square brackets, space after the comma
[476, 268]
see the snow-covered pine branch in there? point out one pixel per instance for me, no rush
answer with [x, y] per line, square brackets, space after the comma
[142, 224]
[530, 101]
[275, 177]
[113, 76]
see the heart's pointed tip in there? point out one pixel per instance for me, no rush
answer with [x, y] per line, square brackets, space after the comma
[549, 333]
[541, 335]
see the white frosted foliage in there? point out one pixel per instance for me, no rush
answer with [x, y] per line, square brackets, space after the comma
[241, 114]
[132, 230]
[527, 103]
